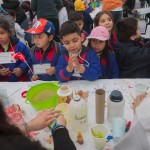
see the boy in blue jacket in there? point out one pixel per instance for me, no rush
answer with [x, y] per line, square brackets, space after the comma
[44, 55]
[77, 62]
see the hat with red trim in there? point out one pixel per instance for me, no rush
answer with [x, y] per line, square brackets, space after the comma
[42, 25]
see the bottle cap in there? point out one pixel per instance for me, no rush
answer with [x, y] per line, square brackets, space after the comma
[116, 96]
[64, 89]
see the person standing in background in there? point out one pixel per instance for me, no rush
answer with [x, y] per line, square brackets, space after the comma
[48, 9]
[88, 22]
[21, 17]
[115, 7]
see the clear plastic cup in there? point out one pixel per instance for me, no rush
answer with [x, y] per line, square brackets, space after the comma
[140, 88]
[99, 133]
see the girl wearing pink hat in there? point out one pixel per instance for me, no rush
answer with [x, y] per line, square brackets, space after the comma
[105, 19]
[98, 41]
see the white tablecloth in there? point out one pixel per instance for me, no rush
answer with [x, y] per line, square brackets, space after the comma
[126, 86]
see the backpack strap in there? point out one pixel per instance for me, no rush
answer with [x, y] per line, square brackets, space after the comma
[58, 48]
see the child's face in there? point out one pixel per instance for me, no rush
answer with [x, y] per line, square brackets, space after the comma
[97, 45]
[106, 21]
[4, 36]
[80, 24]
[42, 40]
[72, 42]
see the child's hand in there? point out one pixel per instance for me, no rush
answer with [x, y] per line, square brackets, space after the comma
[51, 71]
[35, 77]
[18, 72]
[75, 61]
[70, 66]
[5, 72]
[77, 65]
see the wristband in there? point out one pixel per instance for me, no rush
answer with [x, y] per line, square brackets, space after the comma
[27, 128]
[54, 126]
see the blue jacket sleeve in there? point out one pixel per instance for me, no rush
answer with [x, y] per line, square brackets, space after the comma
[114, 66]
[62, 74]
[25, 51]
[93, 71]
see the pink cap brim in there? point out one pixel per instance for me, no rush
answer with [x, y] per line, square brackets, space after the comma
[98, 38]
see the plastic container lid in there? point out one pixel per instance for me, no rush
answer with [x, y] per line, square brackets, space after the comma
[64, 90]
[116, 96]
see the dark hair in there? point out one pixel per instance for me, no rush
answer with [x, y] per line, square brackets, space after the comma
[125, 28]
[12, 135]
[26, 7]
[18, 142]
[76, 16]
[105, 52]
[69, 6]
[69, 27]
[98, 15]
[11, 12]
[5, 25]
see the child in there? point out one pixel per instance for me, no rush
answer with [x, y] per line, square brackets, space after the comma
[98, 41]
[133, 58]
[105, 19]
[19, 31]
[11, 70]
[79, 20]
[88, 21]
[43, 54]
[77, 62]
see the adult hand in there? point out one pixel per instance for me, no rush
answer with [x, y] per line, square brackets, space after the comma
[18, 72]
[43, 119]
[51, 71]
[138, 101]
[61, 120]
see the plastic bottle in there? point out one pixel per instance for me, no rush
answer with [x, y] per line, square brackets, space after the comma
[78, 114]
[65, 94]
[118, 128]
[115, 105]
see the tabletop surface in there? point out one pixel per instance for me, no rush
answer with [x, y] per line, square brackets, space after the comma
[126, 86]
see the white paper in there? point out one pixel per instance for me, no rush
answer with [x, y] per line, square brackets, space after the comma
[6, 58]
[76, 73]
[41, 68]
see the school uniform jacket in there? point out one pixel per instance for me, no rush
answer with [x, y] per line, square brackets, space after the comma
[49, 57]
[92, 72]
[17, 47]
[112, 42]
[133, 60]
[111, 70]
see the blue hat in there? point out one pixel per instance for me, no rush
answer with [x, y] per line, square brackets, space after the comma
[42, 25]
